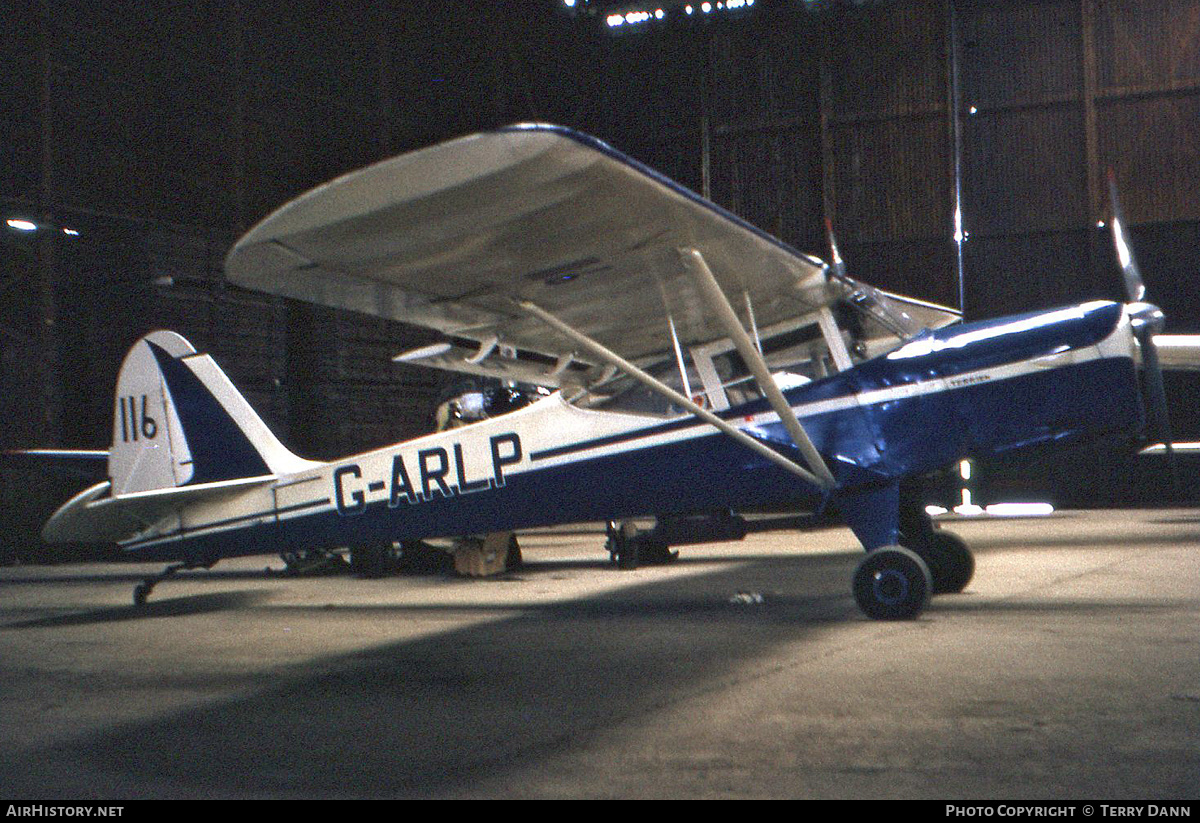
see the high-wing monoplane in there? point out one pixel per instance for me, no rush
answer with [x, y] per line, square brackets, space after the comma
[699, 366]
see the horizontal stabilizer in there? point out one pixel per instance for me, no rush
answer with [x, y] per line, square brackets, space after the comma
[88, 465]
[93, 516]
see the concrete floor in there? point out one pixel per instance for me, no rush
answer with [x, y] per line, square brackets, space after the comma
[1070, 668]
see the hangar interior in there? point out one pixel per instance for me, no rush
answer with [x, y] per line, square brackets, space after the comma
[140, 140]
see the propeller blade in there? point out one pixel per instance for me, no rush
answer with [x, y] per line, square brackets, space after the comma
[1147, 320]
[1156, 396]
[1134, 286]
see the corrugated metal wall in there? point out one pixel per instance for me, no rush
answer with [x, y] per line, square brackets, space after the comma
[159, 132]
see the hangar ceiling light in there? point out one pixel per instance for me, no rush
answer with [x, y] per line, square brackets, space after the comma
[23, 225]
[626, 16]
[717, 6]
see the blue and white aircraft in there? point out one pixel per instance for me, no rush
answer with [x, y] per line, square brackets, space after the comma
[700, 367]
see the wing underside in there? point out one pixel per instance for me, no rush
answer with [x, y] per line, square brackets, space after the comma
[455, 237]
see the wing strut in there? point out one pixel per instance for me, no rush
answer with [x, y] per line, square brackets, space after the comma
[694, 262]
[656, 385]
[683, 376]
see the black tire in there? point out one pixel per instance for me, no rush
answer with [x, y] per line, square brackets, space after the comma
[140, 593]
[950, 562]
[892, 583]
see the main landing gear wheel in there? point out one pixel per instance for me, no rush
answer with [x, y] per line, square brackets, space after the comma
[312, 562]
[950, 562]
[892, 583]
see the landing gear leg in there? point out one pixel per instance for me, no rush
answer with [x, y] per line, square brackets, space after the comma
[141, 592]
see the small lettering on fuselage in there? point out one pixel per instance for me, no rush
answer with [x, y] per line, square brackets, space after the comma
[956, 382]
[439, 473]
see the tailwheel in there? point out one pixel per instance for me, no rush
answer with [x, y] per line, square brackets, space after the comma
[141, 592]
[892, 583]
[950, 562]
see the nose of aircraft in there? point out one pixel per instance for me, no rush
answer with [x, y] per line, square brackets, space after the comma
[1146, 318]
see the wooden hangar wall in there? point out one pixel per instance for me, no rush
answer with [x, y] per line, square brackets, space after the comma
[159, 131]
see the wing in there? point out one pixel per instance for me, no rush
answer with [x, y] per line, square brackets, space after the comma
[1179, 352]
[453, 236]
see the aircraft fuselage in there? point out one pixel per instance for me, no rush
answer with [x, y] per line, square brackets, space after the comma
[977, 388]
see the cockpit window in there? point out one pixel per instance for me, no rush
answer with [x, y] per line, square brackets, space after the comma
[723, 379]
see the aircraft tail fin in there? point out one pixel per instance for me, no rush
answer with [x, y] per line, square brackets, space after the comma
[179, 421]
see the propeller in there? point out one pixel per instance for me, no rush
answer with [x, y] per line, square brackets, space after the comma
[1147, 320]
